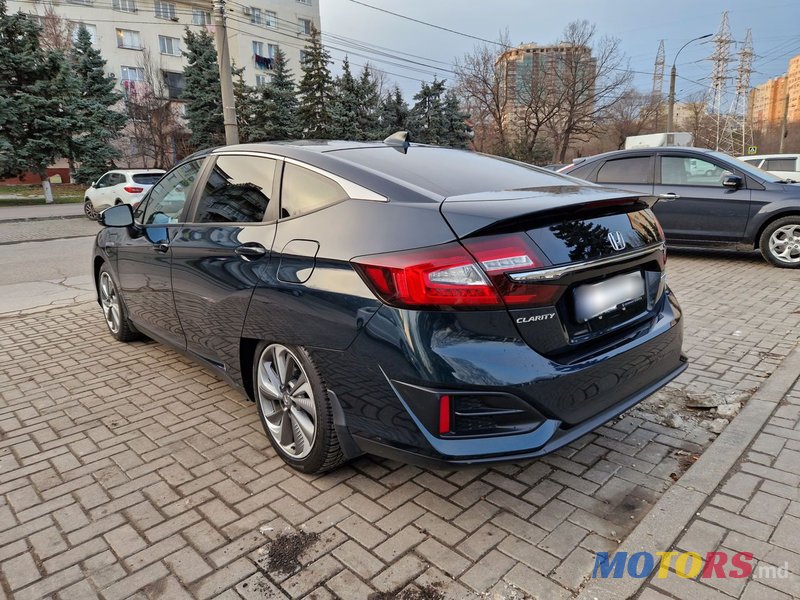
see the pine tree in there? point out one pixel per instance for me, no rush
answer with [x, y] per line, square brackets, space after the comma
[369, 107]
[455, 133]
[202, 92]
[37, 97]
[426, 120]
[247, 108]
[277, 111]
[98, 124]
[345, 106]
[316, 90]
[393, 113]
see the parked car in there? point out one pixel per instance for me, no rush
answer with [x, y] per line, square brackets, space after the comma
[120, 186]
[432, 305]
[707, 198]
[785, 166]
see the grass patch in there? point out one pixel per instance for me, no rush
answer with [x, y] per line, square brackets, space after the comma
[38, 201]
[34, 190]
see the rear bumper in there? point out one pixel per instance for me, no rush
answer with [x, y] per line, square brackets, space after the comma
[481, 353]
[556, 438]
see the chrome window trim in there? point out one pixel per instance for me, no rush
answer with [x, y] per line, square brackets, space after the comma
[353, 190]
[551, 273]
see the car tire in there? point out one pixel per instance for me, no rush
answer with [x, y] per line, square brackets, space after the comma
[88, 209]
[114, 308]
[295, 409]
[780, 242]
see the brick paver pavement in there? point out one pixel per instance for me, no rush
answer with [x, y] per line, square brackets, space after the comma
[128, 471]
[756, 509]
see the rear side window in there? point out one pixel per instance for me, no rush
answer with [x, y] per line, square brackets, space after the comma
[304, 190]
[753, 161]
[238, 190]
[147, 178]
[780, 164]
[635, 169]
[116, 179]
[581, 172]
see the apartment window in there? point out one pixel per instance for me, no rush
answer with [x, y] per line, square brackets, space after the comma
[169, 45]
[270, 19]
[303, 55]
[81, 2]
[165, 10]
[131, 76]
[304, 26]
[175, 84]
[261, 81]
[272, 50]
[263, 61]
[92, 29]
[201, 17]
[124, 5]
[258, 48]
[127, 38]
[255, 15]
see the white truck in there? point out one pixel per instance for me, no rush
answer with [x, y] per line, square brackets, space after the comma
[654, 140]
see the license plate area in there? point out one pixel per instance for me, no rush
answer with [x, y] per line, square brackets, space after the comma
[608, 297]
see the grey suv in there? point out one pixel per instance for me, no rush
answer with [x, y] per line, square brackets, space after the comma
[706, 198]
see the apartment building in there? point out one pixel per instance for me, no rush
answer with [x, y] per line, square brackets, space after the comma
[123, 29]
[767, 101]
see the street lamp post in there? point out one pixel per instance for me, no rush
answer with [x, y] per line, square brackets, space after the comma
[672, 74]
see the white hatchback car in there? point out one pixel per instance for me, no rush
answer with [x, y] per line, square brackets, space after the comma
[120, 186]
[780, 165]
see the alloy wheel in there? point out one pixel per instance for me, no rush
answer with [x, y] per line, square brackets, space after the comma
[88, 209]
[287, 400]
[109, 300]
[784, 243]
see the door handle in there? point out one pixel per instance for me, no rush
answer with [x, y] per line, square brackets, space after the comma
[162, 247]
[669, 196]
[251, 251]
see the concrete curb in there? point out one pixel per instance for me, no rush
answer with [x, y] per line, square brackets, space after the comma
[662, 526]
[49, 218]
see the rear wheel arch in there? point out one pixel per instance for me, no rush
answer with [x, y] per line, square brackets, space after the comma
[98, 262]
[247, 352]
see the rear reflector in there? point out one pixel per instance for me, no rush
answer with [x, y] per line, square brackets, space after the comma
[444, 414]
[456, 276]
[133, 189]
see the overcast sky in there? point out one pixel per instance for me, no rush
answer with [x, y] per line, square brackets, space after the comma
[639, 24]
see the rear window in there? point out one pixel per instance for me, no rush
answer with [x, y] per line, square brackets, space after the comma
[780, 164]
[147, 178]
[635, 169]
[452, 172]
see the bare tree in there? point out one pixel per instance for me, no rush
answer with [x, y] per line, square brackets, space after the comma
[590, 79]
[480, 85]
[57, 32]
[155, 135]
[635, 113]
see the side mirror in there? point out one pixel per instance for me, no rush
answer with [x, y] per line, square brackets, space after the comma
[732, 181]
[120, 215]
[94, 184]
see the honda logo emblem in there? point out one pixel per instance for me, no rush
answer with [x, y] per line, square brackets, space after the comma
[616, 241]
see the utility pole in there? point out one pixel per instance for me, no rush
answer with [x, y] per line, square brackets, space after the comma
[672, 74]
[785, 116]
[225, 77]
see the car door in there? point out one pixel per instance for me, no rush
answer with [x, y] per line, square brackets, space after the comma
[99, 192]
[294, 304]
[222, 251]
[693, 204]
[144, 254]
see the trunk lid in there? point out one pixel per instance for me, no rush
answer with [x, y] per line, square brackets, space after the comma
[602, 249]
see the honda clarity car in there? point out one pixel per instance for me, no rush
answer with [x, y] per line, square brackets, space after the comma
[437, 306]
[707, 198]
[120, 186]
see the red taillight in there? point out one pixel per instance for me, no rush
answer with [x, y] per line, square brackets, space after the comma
[500, 255]
[444, 414]
[448, 276]
[133, 189]
[439, 276]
